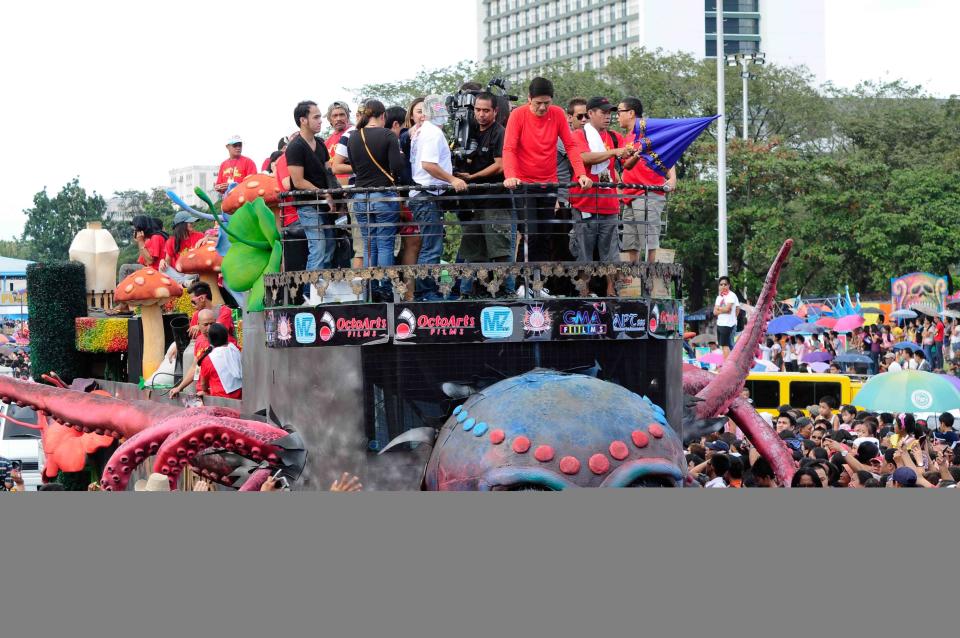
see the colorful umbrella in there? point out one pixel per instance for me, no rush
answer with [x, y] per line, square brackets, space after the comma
[783, 323]
[820, 357]
[903, 314]
[714, 357]
[908, 345]
[827, 322]
[762, 365]
[909, 391]
[662, 142]
[819, 367]
[848, 323]
[807, 329]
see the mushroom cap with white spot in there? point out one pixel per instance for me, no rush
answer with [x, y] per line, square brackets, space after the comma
[145, 287]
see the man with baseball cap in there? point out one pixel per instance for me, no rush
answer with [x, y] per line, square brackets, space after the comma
[235, 168]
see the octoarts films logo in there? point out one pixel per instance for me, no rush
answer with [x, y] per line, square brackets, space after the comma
[585, 322]
[654, 319]
[536, 320]
[328, 327]
[496, 322]
[406, 324]
[305, 327]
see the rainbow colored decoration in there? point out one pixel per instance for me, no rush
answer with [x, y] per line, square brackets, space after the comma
[100, 335]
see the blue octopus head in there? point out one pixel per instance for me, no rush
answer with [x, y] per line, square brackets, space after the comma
[545, 430]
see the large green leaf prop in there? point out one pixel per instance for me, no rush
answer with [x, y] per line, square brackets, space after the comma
[255, 251]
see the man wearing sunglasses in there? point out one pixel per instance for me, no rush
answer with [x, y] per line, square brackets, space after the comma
[235, 168]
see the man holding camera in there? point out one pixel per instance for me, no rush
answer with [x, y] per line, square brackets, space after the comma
[490, 240]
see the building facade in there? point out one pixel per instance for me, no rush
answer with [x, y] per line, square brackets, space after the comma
[184, 180]
[521, 36]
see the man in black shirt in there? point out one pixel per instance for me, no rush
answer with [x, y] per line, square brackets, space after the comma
[307, 162]
[493, 239]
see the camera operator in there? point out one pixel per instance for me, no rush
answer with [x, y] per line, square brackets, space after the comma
[491, 241]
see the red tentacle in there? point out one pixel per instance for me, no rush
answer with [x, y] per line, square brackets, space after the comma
[762, 436]
[717, 397]
[250, 439]
[89, 412]
[137, 448]
[256, 481]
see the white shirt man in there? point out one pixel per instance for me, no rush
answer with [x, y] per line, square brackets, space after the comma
[895, 365]
[725, 310]
[430, 145]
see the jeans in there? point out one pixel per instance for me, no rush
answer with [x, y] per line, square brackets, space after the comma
[320, 243]
[377, 240]
[426, 213]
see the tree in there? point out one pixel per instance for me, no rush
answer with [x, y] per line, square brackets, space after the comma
[442, 81]
[52, 223]
[15, 249]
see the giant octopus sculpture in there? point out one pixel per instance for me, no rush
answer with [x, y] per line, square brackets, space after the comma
[590, 433]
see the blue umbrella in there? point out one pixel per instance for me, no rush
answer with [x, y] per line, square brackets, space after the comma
[908, 345]
[807, 329]
[852, 357]
[662, 142]
[783, 323]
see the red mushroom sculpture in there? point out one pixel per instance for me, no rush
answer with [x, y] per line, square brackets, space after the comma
[149, 288]
[254, 186]
[204, 261]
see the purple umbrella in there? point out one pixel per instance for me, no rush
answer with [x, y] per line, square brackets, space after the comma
[812, 357]
[819, 367]
[783, 323]
[954, 380]
[662, 142]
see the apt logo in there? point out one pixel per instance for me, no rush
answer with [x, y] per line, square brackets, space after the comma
[496, 322]
[305, 327]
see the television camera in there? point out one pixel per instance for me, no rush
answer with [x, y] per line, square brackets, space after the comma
[460, 107]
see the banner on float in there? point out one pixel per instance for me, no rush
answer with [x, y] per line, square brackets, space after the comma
[333, 325]
[473, 322]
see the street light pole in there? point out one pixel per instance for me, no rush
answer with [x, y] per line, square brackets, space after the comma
[745, 74]
[721, 150]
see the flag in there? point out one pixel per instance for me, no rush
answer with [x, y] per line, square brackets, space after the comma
[662, 142]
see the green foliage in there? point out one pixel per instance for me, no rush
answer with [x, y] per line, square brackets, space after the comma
[56, 298]
[16, 249]
[442, 81]
[255, 251]
[52, 223]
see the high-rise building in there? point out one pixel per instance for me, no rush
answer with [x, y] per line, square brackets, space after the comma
[184, 180]
[521, 36]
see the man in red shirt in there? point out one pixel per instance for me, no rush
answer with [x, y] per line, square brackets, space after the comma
[530, 155]
[596, 210]
[236, 167]
[642, 215]
[937, 362]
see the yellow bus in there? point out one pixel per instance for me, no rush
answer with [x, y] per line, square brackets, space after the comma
[770, 390]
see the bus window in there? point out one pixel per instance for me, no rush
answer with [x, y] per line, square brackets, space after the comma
[765, 394]
[804, 393]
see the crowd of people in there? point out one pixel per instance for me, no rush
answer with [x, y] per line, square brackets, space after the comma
[849, 448]
[535, 143]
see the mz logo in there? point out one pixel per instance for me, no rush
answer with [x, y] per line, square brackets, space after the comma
[496, 322]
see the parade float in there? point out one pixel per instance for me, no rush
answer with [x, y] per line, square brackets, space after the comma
[485, 394]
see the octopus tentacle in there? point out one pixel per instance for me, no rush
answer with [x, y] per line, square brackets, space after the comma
[146, 443]
[720, 393]
[762, 436]
[247, 438]
[256, 481]
[86, 411]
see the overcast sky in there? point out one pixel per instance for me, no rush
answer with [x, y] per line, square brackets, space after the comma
[118, 93]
